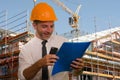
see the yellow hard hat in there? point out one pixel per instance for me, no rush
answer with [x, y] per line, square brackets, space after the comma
[43, 12]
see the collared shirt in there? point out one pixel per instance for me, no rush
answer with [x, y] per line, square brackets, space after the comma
[31, 52]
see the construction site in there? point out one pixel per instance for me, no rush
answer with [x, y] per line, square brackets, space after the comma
[101, 59]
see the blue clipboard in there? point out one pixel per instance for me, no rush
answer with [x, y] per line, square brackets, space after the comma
[68, 52]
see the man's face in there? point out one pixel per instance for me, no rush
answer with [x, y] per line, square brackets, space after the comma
[44, 29]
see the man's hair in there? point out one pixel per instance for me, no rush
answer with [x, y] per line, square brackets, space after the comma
[36, 21]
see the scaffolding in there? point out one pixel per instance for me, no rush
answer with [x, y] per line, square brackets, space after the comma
[101, 60]
[13, 34]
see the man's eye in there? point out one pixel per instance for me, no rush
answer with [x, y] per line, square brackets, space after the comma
[44, 26]
[52, 26]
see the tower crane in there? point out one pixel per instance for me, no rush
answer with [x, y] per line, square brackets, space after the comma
[73, 21]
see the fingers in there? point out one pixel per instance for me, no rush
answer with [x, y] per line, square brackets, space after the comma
[77, 64]
[52, 56]
[50, 59]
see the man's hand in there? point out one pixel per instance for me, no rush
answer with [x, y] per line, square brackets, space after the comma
[49, 60]
[77, 65]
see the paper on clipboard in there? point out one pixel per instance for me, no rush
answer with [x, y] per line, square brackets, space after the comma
[68, 52]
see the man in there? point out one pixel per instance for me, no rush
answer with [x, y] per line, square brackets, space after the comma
[31, 61]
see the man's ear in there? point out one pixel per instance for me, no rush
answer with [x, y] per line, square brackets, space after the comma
[34, 25]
